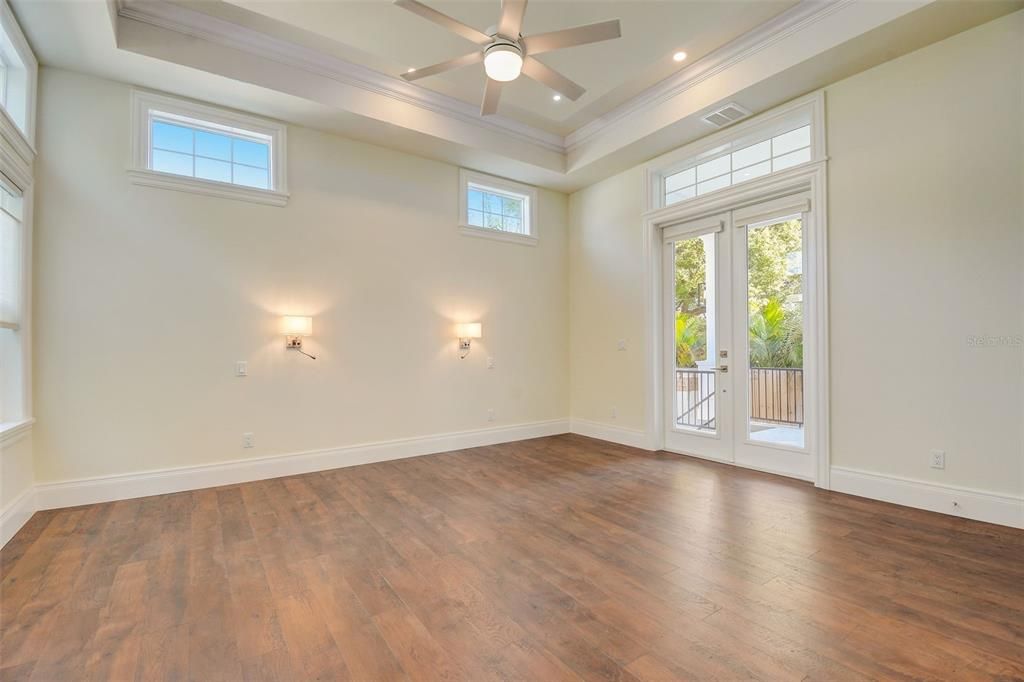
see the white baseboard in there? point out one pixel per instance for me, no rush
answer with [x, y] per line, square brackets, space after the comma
[144, 483]
[615, 434]
[17, 514]
[979, 505]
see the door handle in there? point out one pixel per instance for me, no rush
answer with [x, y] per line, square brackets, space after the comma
[723, 368]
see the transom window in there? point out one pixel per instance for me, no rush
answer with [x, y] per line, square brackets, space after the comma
[750, 151]
[198, 152]
[183, 145]
[762, 158]
[498, 208]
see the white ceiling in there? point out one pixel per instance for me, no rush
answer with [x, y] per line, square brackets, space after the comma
[377, 34]
[333, 65]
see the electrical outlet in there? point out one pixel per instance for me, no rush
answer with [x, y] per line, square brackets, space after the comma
[622, 344]
[241, 368]
[937, 459]
[490, 415]
[248, 439]
[490, 363]
[613, 413]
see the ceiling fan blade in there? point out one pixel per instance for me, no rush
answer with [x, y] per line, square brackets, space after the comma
[551, 78]
[570, 37]
[492, 92]
[511, 22]
[445, 21]
[464, 60]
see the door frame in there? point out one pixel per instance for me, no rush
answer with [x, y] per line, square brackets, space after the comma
[809, 177]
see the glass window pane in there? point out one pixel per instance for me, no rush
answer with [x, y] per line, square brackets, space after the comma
[250, 177]
[209, 169]
[475, 199]
[685, 193]
[513, 225]
[712, 185]
[511, 207]
[493, 221]
[695, 308]
[790, 160]
[713, 168]
[680, 180]
[492, 203]
[172, 162]
[752, 172]
[213, 145]
[172, 138]
[787, 142]
[775, 329]
[755, 153]
[251, 153]
[476, 218]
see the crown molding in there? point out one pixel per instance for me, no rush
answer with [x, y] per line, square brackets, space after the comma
[191, 22]
[181, 19]
[177, 31]
[747, 46]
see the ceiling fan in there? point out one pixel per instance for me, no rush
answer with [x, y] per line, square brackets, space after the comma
[506, 53]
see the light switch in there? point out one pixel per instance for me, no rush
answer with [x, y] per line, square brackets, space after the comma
[241, 368]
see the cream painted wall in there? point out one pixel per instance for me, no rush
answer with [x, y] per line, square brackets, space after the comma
[145, 298]
[926, 229]
[606, 290]
[926, 179]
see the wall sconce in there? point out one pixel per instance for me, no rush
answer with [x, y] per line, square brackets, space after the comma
[294, 328]
[466, 331]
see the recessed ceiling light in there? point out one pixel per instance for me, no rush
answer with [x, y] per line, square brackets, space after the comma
[679, 56]
[557, 98]
[411, 71]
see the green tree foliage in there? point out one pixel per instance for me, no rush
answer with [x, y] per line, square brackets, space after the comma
[775, 283]
[774, 288]
[776, 337]
[691, 324]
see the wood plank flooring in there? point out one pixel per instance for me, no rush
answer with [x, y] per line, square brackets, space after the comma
[560, 558]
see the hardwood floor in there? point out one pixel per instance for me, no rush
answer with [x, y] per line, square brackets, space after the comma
[557, 558]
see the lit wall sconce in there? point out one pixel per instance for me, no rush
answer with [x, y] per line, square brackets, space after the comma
[294, 328]
[466, 331]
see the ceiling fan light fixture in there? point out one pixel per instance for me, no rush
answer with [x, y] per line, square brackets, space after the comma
[503, 62]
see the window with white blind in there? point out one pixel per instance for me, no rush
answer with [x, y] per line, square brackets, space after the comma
[186, 145]
[497, 208]
[12, 305]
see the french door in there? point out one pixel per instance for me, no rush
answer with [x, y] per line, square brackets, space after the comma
[736, 311]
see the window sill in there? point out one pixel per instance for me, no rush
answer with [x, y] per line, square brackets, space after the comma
[498, 235]
[181, 183]
[10, 432]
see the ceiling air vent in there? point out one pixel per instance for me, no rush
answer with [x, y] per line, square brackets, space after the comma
[726, 115]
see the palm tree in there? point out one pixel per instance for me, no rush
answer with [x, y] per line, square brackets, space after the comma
[776, 336]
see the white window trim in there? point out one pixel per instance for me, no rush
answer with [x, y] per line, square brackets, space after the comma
[141, 173]
[17, 158]
[809, 109]
[468, 177]
[21, 139]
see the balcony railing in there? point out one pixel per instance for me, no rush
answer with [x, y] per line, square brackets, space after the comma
[696, 391]
[776, 396]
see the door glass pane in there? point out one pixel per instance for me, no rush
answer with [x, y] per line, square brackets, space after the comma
[775, 327]
[694, 310]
